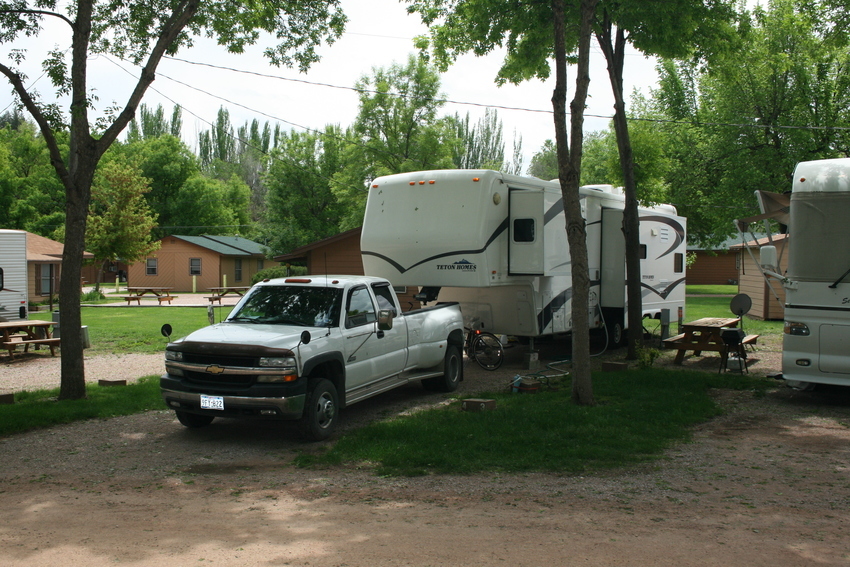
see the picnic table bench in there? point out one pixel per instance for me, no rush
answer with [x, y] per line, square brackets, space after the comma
[131, 298]
[26, 333]
[704, 335]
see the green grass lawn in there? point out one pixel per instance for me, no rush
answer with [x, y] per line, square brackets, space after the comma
[37, 409]
[729, 290]
[137, 330]
[639, 414]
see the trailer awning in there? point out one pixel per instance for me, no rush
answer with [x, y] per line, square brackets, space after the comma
[773, 206]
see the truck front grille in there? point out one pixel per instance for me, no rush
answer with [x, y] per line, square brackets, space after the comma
[219, 379]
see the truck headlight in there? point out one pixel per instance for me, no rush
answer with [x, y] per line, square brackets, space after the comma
[277, 362]
[288, 370]
[798, 329]
[173, 355]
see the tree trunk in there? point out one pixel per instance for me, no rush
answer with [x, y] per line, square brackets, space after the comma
[569, 170]
[73, 383]
[614, 50]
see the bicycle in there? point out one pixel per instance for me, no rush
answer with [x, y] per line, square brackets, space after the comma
[485, 348]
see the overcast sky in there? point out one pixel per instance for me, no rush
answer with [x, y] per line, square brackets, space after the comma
[379, 33]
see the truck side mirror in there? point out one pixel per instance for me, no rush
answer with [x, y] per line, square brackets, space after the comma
[385, 319]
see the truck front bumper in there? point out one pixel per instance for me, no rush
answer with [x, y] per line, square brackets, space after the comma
[291, 407]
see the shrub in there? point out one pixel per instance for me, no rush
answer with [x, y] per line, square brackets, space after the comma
[91, 296]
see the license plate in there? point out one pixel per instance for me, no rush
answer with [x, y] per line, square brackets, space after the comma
[212, 402]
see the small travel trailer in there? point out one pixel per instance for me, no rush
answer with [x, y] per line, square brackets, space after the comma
[13, 275]
[497, 244]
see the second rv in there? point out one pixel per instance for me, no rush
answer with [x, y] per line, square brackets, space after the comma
[497, 244]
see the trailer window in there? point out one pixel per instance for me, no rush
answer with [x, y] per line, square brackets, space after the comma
[678, 263]
[523, 230]
[643, 251]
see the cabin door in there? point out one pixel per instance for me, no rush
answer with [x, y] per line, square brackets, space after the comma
[525, 251]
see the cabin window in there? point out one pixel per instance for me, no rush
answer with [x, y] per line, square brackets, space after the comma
[151, 267]
[523, 230]
[238, 270]
[194, 266]
[44, 279]
[359, 310]
[260, 265]
[678, 263]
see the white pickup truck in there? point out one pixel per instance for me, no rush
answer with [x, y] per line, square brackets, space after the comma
[301, 348]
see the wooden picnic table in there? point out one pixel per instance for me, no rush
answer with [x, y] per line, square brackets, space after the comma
[140, 291]
[219, 292]
[704, 335]
[222, 291]
[26, 333]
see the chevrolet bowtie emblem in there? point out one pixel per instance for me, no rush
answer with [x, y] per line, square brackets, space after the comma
[215, 369]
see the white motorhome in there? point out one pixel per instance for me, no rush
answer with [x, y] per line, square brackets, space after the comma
[497, 244]
[816, 343]
[13, 275]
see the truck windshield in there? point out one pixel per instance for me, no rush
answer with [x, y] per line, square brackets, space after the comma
[290, 305]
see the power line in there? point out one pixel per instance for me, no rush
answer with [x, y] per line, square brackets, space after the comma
[485, 105]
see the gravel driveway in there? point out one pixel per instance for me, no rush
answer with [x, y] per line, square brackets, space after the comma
[764, 484]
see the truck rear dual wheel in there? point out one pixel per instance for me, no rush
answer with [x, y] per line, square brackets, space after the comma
[452, 372]
[320, 411]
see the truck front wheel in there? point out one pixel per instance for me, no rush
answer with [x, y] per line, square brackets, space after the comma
[320, 411]
[193, 419]
[452, 372]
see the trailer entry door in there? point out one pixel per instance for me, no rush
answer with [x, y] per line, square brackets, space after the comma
[525, 252]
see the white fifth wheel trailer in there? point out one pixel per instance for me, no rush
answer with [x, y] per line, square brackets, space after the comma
[497, 244]
[13, 275]
[816, 343]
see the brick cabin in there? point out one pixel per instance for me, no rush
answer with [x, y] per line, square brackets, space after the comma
[44, 266]
[750, 280]
[340, 254]
[197, 263]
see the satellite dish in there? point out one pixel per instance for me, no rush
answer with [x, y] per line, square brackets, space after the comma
[741, 304]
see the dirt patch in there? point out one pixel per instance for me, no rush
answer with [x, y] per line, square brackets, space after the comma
[764, 484]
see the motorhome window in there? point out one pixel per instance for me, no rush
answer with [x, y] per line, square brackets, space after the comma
[678, 263]
[290, 305]
[1, 278]
[643, 251]
[359, 309]
[384, 297]
[523, 230]
[150, 267]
